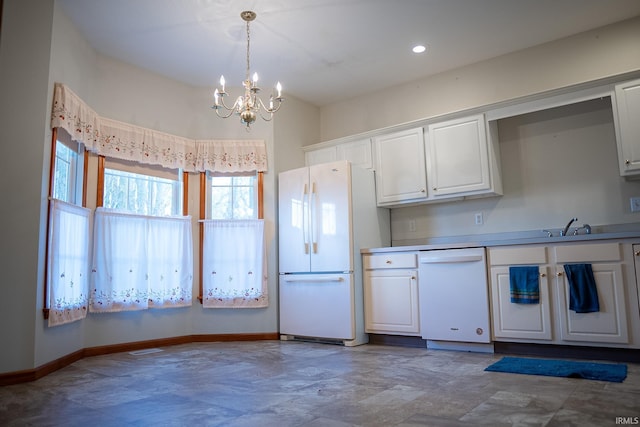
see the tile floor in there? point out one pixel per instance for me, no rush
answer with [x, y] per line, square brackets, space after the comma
[273, 383]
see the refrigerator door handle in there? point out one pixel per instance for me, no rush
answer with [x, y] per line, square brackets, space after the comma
[313, 279]
[305, 221]
[314, 219]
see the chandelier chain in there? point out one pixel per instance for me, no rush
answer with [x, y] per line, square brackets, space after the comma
[248, 41]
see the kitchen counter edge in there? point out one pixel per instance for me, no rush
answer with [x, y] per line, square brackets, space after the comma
[489, 241]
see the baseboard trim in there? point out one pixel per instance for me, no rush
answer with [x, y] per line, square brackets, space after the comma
[569, 351]
[28, 375]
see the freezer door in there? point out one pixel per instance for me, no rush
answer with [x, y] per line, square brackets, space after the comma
[330, 217]
[317, 305]
[293, 221]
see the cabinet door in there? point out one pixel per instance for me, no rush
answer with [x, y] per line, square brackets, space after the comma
[607, 325]
[400, 167]
[391, 302]
[457, 157]
[628, 126]
[321, 155]
[511, 320]
[357, 152]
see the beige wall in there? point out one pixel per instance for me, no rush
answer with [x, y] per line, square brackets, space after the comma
[605, 52]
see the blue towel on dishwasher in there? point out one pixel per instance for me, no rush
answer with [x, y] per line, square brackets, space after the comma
[524, 285]
[583, 293]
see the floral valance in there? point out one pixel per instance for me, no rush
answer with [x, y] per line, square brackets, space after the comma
[129, 142]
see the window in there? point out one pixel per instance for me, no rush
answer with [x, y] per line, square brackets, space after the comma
[68, 233]
[232, 248]
[68, 169]
[141, 189]
[143, 250]
[233, 197]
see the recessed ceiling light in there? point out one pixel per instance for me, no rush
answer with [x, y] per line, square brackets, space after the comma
[419, 49]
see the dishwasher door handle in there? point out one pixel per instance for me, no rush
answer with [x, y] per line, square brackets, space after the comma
[449, 259]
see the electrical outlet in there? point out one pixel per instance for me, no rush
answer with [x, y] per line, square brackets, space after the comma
[635, 204]
[478, 218]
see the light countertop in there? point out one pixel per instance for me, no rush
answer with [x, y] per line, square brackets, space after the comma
[609, 232]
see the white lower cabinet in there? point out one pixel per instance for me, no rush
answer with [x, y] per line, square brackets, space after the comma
[609, 325]
[391, 293]
[551, 320]
[528, 321]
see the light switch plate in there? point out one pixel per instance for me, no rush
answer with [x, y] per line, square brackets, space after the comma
[635, 204]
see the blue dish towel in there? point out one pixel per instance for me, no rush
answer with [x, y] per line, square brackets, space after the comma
[583, 293]
[524, 285]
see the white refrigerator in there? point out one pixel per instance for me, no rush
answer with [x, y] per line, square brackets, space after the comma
[326, 214]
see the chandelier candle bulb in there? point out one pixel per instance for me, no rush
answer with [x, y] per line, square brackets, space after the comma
[222, 83]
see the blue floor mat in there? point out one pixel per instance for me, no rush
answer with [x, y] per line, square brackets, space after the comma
[614, 372]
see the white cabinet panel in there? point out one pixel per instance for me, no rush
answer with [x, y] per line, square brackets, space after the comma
[400, 167]
[357, 152]
[320, 155]
[607, 325]
[391, 293]
[510, 320]
[457, 160]
[627, 126]
[391, 302]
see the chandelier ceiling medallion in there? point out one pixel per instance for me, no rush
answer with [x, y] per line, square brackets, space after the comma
[249, 106]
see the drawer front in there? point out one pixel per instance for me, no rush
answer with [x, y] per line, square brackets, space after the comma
[589, 253]
[390, 260]
[513, 255]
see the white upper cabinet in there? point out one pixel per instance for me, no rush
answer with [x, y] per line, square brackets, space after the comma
[357, 152]
[400, 167]
[321, 155]
[457, 158]
[628, 126]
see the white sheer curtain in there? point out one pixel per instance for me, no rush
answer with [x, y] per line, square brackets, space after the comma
[68, 262]
[140, 262]
[170, 260]
[234, 264]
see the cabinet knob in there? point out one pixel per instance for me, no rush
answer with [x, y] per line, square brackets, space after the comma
[543, 275]
[559, 273]
[627, 162]
[435, 189]
[423, 191]
[637, 253]
[388, 261]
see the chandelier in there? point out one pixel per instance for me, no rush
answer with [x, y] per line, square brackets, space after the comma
[249, 106]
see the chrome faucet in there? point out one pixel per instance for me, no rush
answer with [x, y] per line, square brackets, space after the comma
[566, 229]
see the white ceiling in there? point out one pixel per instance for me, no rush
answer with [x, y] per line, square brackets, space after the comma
[323, 51]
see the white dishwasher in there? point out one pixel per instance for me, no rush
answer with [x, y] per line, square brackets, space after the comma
[454, 296]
